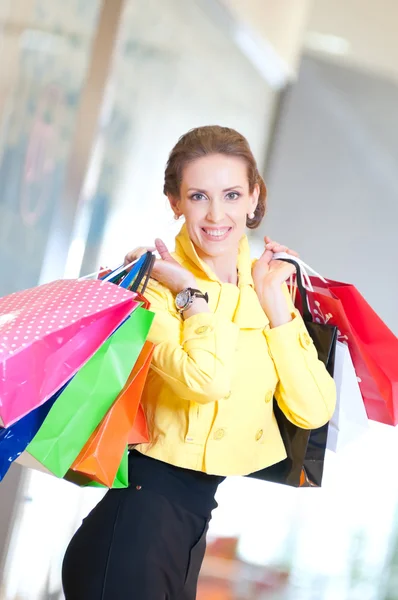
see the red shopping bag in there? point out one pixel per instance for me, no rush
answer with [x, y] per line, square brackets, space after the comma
[124, 424]
[47, 333]
[373, 346]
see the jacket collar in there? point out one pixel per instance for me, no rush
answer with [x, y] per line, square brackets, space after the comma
[248, 313]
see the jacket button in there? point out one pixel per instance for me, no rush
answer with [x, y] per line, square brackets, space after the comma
[219, 434]
[269, 396]
[259, 435]
[305, 339]
[203, 329]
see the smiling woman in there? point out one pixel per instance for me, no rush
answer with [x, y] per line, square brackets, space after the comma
[228, 340]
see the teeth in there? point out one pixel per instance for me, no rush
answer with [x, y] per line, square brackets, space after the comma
[216, 232]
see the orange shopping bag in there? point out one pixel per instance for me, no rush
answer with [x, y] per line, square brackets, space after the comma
[139, 432]
[124, 424]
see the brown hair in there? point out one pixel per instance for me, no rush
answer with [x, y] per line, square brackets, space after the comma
[213, 139]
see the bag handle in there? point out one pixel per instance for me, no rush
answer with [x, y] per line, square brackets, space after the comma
[141, 268]
[149, 273]
[307, 316]
[134, 271]
[94, 274]
[145, 272]
[110, 274]
[304, 268]
[123, 271]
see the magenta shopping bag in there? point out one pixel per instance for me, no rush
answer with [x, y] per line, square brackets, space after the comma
[47, 333]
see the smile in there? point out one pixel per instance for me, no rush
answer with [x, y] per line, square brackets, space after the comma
[216, 234]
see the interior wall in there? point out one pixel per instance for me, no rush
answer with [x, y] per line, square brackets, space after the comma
[333, 179]
[368, 31]
[281, 24]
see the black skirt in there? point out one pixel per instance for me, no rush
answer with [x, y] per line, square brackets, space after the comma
[146, 542]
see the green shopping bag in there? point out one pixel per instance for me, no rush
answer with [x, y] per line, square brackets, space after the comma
[88, 397]
[121, 479]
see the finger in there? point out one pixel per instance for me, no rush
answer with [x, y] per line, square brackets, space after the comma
[137, 253]
[284, 268]
[292, 252]
[162, 249]
[266, 257]
[280, 248]
[275, 247]
[132, 255]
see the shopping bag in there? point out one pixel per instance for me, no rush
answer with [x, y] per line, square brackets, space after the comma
[303, 466]
[373, 346]
[14, 439]
[124, 276]
[100, 458]
[85, 401]
[349, 421]
[47, 333]
[138, 434]
[120, 481]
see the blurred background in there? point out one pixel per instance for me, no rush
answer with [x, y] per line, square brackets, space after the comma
[93, 95]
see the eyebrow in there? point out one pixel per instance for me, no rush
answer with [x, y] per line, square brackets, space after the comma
[234, 187]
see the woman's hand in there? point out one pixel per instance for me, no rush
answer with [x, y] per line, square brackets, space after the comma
[268, 276]
[166, 270]
[268, 272]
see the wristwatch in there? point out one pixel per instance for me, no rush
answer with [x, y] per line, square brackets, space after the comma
[185, 298]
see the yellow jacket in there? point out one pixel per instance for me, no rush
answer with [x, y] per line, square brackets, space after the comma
[208, 397]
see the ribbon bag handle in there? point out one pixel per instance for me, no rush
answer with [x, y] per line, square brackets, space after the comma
[122, 271]
[307, 316]
[134, 271]
[109, 274]
[144, 273]
[94, 274]
[304, 268]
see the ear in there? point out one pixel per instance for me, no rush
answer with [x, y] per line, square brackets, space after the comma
[253, 198]
[175, 205]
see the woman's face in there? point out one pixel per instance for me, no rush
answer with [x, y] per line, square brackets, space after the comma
[215, 201]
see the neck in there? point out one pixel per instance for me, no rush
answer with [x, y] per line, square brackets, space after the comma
[225, 267]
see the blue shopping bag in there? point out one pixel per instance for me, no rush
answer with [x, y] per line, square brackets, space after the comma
[15, 439]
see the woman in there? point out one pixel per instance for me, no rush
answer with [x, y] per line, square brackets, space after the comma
[228, 340]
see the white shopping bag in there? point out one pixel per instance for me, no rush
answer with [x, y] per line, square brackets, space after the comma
[350, 420]
[27, 460]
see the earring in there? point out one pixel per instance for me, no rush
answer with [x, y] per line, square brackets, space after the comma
[251, 215]
[176, 217]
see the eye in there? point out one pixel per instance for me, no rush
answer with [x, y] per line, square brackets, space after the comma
[233, 195]
[198, 196]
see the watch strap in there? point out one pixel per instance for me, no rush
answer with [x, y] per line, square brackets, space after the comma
[199, 294]
[193, 293]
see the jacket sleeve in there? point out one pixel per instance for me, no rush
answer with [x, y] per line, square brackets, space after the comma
[305, 392]
[194, 357]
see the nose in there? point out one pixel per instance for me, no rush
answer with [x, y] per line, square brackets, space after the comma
[216, 211]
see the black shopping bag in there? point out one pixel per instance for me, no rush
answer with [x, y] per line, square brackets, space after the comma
[305, 449]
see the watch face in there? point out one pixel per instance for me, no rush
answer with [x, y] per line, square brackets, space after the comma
[182, 299]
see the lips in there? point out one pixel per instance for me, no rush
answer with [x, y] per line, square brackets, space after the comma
[216, 234]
